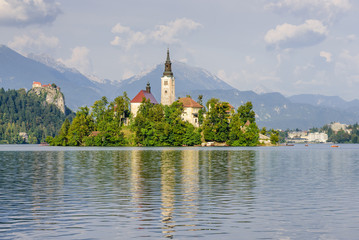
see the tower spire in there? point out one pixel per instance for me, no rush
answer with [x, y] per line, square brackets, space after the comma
[148, 87]
[168, 68]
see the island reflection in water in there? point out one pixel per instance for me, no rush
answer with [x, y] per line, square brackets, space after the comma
[244, 193]
[177, 179]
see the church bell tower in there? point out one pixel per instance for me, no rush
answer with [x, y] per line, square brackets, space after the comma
[167, 83]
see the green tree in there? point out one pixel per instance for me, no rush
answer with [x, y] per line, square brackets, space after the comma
[246, 113]
[157, 125]
[243, 129]
[264, 131]
[216, 124]
[202, 111]
[81, 127]
[62, 138]
[274, 136]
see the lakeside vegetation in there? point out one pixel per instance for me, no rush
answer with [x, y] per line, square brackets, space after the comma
[350, 135]
[104, 124]
[22, 112]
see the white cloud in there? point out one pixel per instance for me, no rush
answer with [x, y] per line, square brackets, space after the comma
[326, 10]
[326, 55]
[26, 12]
[79, 60]
[169, 33]
[250, 60]
[36, 42]
[183, 60]
[118, 28]
[294, 36]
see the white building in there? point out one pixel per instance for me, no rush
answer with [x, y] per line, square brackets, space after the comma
[317, 137]
[301, 137]
[338, 126]
[36, 84]
[263, 139]
[190, 110]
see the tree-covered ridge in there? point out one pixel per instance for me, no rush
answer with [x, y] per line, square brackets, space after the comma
[21, 112]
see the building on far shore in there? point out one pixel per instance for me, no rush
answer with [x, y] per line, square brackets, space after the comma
[304, 137]
[336, 127]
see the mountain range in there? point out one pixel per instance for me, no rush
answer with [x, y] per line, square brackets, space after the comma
[273, 110]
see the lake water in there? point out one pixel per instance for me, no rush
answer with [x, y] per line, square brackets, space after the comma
[179, 193]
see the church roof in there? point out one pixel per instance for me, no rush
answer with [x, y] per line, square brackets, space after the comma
[189, 102]
[168, 68]
[143, 94]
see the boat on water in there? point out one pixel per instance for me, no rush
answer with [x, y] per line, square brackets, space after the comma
[334, 146]
[44, 144]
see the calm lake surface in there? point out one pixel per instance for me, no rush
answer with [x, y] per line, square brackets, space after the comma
[179, 193]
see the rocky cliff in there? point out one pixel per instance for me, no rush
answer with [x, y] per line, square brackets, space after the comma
[51, 95]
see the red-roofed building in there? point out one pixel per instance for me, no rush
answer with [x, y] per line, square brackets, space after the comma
[137, 100]
[36, 84]
[190, 110]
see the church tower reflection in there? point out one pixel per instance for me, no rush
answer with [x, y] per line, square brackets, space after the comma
[190, 182]
[167, 193]
[136, 184]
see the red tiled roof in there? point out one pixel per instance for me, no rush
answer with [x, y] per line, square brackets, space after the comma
[143, 94]
[39, 83]
[189, 102]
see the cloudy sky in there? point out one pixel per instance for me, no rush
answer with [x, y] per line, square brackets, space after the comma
[289, 46]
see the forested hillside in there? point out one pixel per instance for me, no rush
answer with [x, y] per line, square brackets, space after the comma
[26, 118]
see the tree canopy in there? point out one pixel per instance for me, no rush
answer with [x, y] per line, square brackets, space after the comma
[99, 125]
[21, 112]
[158, 125]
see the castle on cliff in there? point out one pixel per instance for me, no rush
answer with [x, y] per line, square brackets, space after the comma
[51, 93]
[191, 107]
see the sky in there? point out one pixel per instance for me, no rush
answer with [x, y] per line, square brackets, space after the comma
[287, 46]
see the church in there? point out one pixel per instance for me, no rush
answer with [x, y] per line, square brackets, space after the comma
[191, 107]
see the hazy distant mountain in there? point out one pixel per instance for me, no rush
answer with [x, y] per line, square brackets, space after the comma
[273, 110]
[17, 71]
[186, 77]
[324, 101]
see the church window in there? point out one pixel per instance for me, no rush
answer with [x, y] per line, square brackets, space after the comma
[166, 83]
[166, 91]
